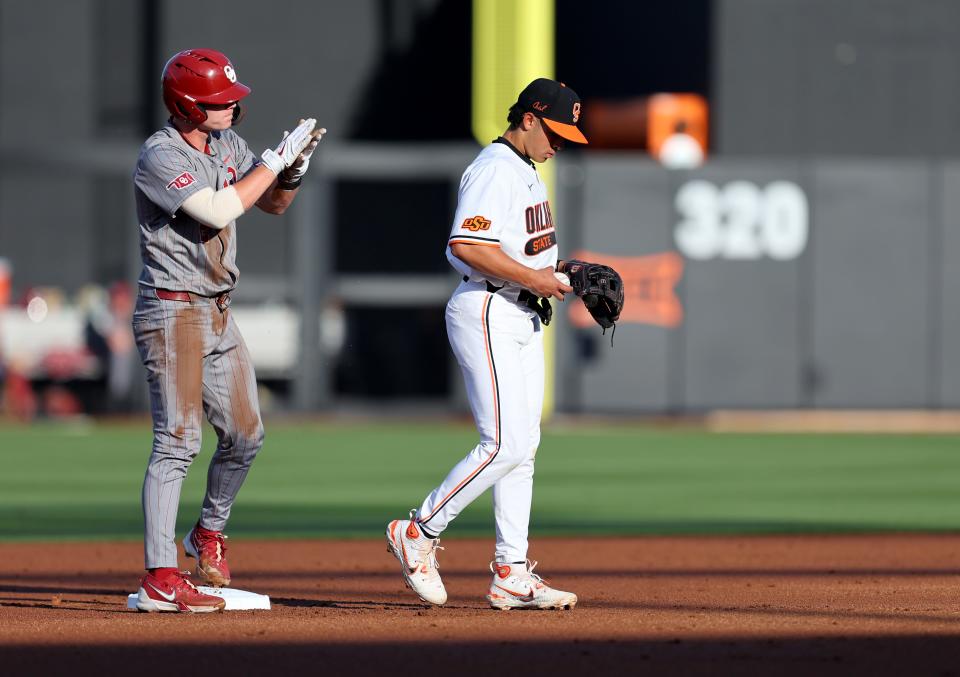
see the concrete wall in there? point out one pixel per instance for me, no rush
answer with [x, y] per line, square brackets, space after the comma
[864, 77]
[863, 315]
[72, 97]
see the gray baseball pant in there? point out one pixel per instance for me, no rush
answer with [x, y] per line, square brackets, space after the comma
[194, 355]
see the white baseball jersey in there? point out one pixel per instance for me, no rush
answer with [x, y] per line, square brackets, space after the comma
[498, 343]
[503, 203]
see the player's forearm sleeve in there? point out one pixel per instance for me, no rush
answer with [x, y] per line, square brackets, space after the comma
[215, 209]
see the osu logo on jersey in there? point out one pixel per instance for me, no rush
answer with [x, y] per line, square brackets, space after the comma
[181, 181]
[476, 223]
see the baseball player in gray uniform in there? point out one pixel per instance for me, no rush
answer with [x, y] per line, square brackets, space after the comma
[194, 177]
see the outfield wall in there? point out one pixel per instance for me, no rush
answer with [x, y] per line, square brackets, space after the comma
[752, 283]
[819, 283]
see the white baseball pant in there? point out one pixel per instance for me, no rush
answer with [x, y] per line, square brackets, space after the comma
[499, 345]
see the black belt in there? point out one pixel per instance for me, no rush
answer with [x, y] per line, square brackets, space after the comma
[523, 297]
[540, 306]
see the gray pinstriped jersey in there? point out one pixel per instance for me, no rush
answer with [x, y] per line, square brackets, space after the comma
[179, 253]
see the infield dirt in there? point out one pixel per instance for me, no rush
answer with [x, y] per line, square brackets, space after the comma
[798, 605]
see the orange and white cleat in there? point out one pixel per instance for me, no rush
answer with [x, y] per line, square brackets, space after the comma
[418, 559]
[515, 586]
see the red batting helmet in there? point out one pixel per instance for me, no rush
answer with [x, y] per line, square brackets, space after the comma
[198, 76]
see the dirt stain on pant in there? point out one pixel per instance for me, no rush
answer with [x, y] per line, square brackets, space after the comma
[218, 319]
[188, 349]
[243, 395]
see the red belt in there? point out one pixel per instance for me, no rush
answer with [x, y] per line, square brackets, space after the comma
[173, 295]
[222, 300]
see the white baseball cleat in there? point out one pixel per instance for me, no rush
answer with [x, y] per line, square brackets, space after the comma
[515, 586]
[418, 559]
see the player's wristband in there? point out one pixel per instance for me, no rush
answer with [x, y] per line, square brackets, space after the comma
[284, 184]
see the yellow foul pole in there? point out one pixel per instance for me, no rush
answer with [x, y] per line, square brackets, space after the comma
[513, 44]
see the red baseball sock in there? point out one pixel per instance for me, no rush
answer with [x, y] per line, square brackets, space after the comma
[204, 532]
[164, 574]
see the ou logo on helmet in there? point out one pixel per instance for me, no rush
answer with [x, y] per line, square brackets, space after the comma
[230, 73]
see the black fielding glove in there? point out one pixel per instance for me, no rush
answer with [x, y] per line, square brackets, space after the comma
[599, 287]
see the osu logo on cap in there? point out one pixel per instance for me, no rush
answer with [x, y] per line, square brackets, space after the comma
[181, 181]
[476, 223]
[576, 112]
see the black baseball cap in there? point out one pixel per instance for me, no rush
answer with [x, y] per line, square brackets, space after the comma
[556, 104]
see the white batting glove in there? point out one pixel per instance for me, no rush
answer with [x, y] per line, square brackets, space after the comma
[290, 147]
[294, 173]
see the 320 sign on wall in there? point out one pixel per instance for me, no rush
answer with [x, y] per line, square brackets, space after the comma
[741, 220]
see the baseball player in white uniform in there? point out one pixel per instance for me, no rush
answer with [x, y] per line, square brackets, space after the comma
[194, 177]
[503, 242]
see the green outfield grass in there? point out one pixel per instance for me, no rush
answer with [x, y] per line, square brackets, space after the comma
[347, 480]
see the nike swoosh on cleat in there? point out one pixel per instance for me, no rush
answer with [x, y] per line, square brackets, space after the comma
[167, 597]
[406, 561]
[523, 598]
